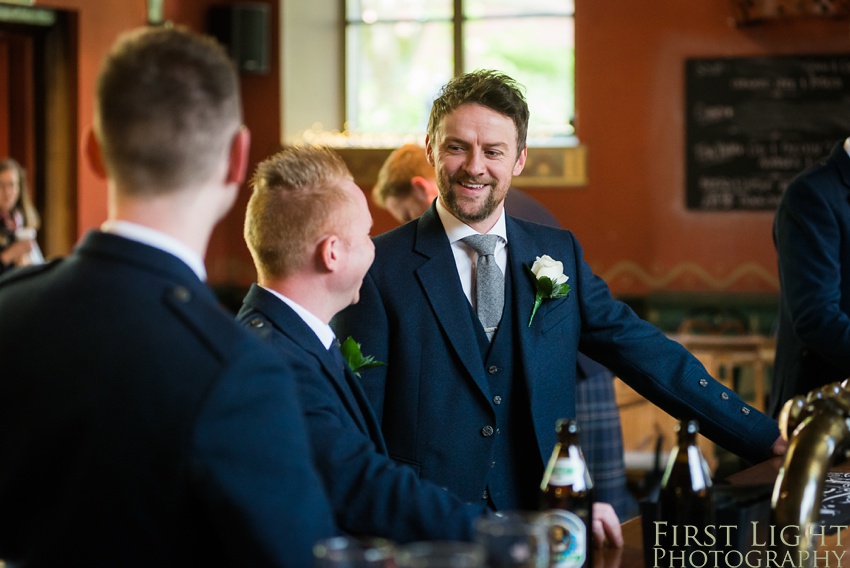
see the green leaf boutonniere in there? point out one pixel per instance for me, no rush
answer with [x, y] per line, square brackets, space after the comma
[354, 358]
[549, 281]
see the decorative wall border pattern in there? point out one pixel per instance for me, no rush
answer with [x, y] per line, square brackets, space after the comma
[631, 270]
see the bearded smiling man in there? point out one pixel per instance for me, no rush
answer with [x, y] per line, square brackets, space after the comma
[474, 409]
[473, 189]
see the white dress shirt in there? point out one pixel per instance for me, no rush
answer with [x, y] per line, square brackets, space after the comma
[465, 257]
[158, 240]
[322, 330]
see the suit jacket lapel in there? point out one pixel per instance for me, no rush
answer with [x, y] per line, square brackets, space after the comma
[521, 255]
[522, 250]
[290, 324]
[369, 418]
[442, 288]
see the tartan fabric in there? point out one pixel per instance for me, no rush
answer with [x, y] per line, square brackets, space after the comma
[602, 437]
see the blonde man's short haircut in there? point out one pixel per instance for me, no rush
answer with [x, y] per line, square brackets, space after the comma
[294, 205]
[400, 167]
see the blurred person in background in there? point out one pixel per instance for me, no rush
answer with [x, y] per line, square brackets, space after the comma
[307, 226]
[20, 220]
[811, 233]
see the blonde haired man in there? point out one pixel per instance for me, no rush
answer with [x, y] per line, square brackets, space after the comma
[307, 226]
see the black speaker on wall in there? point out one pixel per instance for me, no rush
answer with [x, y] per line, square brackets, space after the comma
[243, 28]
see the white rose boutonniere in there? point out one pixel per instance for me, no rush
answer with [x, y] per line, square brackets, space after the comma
[549, 280]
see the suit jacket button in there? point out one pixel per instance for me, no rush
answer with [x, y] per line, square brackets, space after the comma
[492, 369]
[703, 382]
[724, 396]
[485, 495]
[257, 322]
[745, 410]
[497, 399]
[182, 294]
[487, 431]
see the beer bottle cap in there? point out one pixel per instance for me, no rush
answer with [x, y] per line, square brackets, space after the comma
[567, 425]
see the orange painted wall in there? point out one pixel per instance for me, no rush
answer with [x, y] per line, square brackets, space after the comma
[99, 24]
[631, 217]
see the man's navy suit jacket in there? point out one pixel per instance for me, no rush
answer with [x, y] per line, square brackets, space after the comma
[370, 493]
[141, 426]
[433, 397]
[812, 237]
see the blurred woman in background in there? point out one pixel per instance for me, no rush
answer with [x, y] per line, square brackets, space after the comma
[19, 220]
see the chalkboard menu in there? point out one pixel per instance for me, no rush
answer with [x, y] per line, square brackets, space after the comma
[753, 123]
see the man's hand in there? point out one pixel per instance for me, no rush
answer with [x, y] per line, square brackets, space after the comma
[15, 251]
[606, 526]
[779, 447]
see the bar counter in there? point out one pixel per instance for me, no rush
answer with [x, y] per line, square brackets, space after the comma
[631, 555]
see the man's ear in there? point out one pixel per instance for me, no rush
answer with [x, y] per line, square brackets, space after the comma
[93, 154]
[429, 150]
[238, 158]
[520, 163]
[328, 253]
[424, 190]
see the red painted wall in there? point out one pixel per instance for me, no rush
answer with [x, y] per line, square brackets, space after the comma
[631, 218]
[99, 24]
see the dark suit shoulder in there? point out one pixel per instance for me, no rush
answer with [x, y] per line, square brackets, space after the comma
[254, 321]
[823, 176]
[400, 237]
[209, 322]
[542, 237]
[523, 206]
[23, 273]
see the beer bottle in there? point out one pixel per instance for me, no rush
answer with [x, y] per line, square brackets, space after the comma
[685, 498]
[567, 498]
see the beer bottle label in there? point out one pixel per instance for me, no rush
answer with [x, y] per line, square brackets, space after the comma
[568, 471]
[568, 539]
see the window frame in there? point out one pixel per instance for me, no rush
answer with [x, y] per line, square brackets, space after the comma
[458, 21]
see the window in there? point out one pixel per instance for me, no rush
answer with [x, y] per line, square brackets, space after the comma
[400, 52]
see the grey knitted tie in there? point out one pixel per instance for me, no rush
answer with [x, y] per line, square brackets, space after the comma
[489, 282]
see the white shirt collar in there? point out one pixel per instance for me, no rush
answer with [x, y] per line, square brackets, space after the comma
[159, 240]
[322, 330]
[457, 229]
[465, 257]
